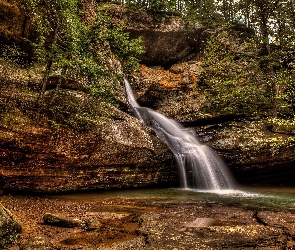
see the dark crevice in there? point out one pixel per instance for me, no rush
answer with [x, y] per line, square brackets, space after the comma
[258, 219]
[272, 130]
[215, 120]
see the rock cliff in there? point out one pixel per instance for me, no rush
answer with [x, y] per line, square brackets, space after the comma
[40, 156]
[254, 153]
[167, 40]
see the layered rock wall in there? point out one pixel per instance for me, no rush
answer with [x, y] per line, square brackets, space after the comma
[115, 154]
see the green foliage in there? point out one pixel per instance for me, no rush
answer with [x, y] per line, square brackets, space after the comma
[75, 110]
[285, 96]
[203, 12]
[67, 108]
[155, 6]
[282, 125]
[79, 50]
[90, 53]
[103, 34]
[125, 50]
[232, 75]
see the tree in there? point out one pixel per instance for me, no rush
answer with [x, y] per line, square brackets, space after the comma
[71, 48]
[231, 75]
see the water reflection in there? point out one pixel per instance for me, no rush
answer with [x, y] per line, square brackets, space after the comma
[270, 198]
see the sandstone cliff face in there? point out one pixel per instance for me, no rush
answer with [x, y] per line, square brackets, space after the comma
[39, 153]
[118, 152]
[169, 82]
[12, 19]
[254, 154]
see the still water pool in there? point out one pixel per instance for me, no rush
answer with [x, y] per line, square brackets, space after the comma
[262, 198]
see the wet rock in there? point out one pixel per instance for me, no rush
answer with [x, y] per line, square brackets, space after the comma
[167, 230]
[39, 243]
[62, 221]
[93, 224]
[208, 222]
[202, 222]
[241, 236]
[152, 222]
[254, 154]
[10, 229]
[95, 220]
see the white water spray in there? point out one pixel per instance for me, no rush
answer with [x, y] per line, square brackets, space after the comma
[199, 166]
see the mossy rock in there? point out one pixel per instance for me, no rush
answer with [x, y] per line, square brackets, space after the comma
[10, 229]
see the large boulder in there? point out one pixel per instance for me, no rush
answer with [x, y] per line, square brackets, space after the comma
[63, 221]
[10, 229]
[166, 39]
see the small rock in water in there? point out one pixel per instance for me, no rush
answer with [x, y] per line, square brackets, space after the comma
[61, 221]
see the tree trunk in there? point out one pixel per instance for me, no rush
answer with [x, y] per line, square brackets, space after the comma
[274, 101]
[45, 77]
[50, 62]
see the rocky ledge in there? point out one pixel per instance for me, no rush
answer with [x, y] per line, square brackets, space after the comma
[38, 159]
[145, 223]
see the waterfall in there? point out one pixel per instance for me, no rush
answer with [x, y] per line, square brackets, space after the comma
[199, 166]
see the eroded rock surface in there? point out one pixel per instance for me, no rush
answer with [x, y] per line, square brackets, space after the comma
[117, 152]
[254, 154]
[188, 221]
[231, 229]
[126, 154]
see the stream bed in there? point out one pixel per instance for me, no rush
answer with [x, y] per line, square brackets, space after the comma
[255, 218]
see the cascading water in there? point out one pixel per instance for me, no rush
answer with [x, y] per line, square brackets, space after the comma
[199, 166]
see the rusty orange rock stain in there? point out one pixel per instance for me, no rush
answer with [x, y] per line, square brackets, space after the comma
[165, 78]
